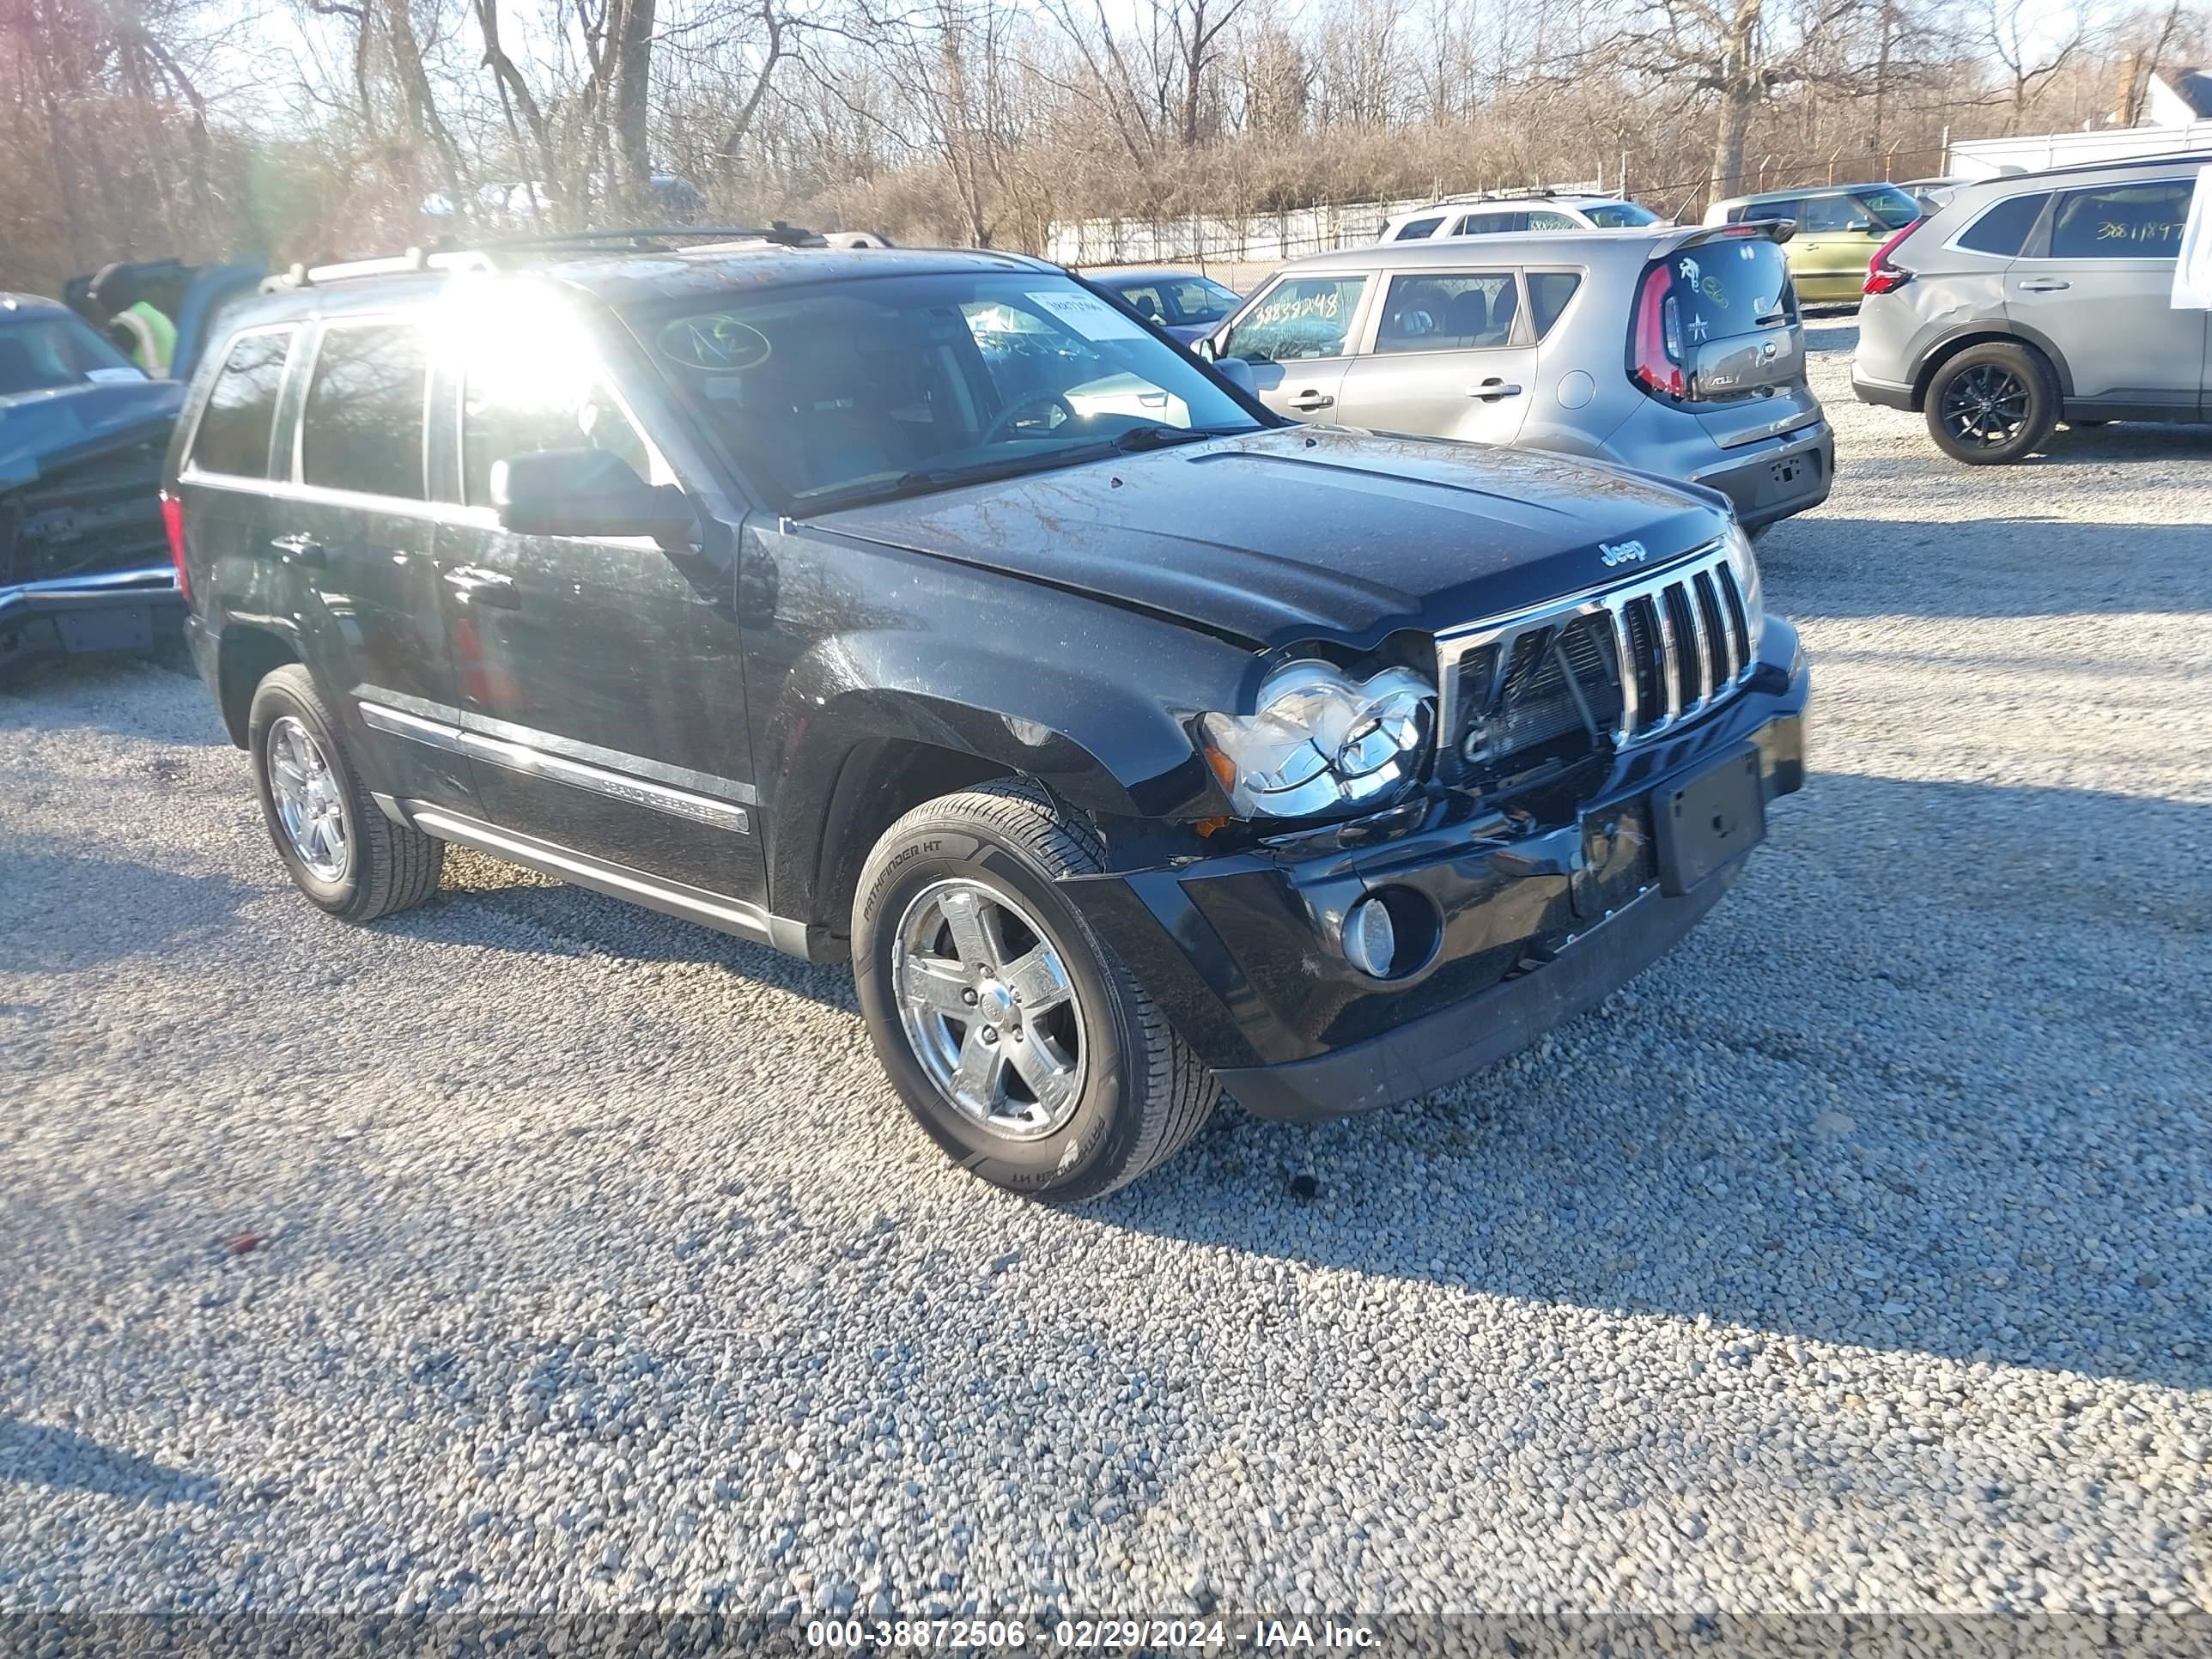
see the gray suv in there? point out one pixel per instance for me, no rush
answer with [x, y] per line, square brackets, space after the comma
[2033, 299]
[1672, 350]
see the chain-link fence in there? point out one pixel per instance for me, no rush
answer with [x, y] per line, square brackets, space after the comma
[1262, 239]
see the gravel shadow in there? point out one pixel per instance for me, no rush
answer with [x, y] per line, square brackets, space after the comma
[2015, 565]
[1966, 1118]
[69, 910]
[33, 1454]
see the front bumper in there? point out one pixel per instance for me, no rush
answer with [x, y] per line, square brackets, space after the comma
[1775, 483]
[1536, 925]
[101, 611]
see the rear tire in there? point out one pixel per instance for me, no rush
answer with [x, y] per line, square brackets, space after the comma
[338, 847]
[1008, 1029]
[1992, 403]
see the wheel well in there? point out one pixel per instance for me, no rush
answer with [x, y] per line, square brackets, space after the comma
[880, 781]
[1950, 349]
[247, 656]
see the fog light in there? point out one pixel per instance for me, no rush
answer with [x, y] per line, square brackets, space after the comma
[1370, 938]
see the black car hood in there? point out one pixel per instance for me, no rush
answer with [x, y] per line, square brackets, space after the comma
[41, 430]
[1293, 533]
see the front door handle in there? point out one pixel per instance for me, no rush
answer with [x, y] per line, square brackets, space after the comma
[2043, 284]
[1492, 389]
[1312, 400]
[484, 587]
[300, 548]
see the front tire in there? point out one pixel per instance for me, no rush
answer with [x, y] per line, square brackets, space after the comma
[1992, 403]
[1011, 1033]
[338, 847]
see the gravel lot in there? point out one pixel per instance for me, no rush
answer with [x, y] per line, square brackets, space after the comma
[1856, 1258]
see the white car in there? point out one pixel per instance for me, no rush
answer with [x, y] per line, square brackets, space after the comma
[1519, 213]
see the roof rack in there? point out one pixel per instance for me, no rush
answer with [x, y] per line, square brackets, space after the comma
[1518, 193]
[484, 255]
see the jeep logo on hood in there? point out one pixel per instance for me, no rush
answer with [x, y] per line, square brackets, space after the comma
[1615, 553]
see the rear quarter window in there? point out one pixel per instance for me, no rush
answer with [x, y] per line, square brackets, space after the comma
[1737, 286]
[2004, 228]
[1549, 292]
[235, 427]
[1418, 229]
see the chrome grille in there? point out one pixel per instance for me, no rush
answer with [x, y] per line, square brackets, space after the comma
[1625, 663]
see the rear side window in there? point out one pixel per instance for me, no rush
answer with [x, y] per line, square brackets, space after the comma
[1548, 294]
[1545, 219]
[1828, 213]
[363, 424]
[235, 428]
[1733, 286]
[1301, 318]
[2122, 222]
[1418, 229]
[1448, 314]
[2004, 228]
[1490, 224]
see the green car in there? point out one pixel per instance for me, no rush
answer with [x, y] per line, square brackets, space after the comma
[1839, 228]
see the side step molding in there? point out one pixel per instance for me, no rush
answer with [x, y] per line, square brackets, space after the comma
[671, 898]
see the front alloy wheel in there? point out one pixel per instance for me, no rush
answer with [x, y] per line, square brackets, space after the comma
[1010, 1031]
[990, 1009]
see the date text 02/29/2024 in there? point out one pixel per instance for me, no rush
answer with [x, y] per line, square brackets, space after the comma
[1086, 1635]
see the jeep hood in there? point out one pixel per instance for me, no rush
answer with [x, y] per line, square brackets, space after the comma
[1294, 533]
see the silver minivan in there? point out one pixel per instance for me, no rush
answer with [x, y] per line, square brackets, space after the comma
[1674, 350]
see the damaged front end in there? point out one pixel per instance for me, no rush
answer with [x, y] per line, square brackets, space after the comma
[85, 563]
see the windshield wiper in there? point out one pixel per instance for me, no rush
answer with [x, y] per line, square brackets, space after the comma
[1160, 437]
[922, 480]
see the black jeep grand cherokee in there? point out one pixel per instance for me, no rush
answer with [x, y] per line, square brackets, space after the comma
[930, 608]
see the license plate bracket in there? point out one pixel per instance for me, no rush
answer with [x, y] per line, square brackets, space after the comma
[1710, 821]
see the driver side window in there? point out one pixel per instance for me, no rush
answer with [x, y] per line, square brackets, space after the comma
[516, 403]
[1298, 319]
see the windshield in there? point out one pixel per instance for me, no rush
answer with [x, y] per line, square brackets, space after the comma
[1619, 215]
[1892, 208]
[841, 392]
[1174, 302]
[47, 352]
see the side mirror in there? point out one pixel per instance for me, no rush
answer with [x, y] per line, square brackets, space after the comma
[1203, 347]
[1865, 225]
[588, 492]
[1238, 374]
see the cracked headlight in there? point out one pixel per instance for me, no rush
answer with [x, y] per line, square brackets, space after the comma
[1745, 564]
[1322, 741]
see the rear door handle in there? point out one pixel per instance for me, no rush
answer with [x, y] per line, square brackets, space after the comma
[1492, 389]
[2043, 284]
[300, 548]
[484, 587]
[1312, 400]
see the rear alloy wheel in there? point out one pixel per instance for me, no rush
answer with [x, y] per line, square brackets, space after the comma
[1008, 1029]
[1991, 403]
[341, 849]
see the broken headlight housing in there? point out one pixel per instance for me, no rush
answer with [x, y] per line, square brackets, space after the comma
[1322, 741]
